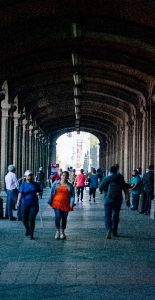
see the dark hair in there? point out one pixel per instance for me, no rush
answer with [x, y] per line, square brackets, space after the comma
[81, 170]
[151, 167]
[113, 169]
[65, 172]
[136, 172]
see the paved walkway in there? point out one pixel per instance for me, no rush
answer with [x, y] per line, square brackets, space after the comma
[85, 265]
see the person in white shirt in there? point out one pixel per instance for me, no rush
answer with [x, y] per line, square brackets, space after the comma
[12, 186]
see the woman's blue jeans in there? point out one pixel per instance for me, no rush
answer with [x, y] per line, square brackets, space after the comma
[112, 210]
[60, 218]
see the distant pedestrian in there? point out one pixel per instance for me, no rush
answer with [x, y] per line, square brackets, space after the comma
[40, 179]
[112, 186]
[136, 189]
[148, 183]
[12, 186]
[62, 198]
[93, 184]
[56, 176]
[28, 198]
[80, 184]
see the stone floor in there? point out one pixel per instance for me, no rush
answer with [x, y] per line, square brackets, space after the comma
[85, 265]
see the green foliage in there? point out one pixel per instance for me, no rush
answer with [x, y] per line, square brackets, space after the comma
[93, 141]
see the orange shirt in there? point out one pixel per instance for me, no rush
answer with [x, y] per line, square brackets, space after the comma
[61, 199]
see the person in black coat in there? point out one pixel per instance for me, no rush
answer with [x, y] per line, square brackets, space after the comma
[148, 183]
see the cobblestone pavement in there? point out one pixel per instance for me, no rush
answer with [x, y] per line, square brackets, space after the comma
[85, 265]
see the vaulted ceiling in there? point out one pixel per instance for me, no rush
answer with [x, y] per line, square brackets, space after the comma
[118, 60]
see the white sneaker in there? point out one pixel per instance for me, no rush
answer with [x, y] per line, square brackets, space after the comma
[57, 236]
[62, 236]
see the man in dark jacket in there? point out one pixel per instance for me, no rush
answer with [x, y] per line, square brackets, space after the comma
[112, 187]
[148, 183]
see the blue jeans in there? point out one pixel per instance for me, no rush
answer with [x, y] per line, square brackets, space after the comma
[29, 213]
[12, 196]
[112, 211]
[60, 217]
[135, 201]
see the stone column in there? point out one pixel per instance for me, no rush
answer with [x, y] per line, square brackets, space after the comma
[30, 164]
[126, 151]
[152, 211]
[4, 139]
[24, 148]
[53, 151]
[16, 148]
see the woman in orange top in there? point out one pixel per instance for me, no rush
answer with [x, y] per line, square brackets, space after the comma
[63, 197]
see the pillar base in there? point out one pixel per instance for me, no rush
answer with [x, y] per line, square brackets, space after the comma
[152, 211]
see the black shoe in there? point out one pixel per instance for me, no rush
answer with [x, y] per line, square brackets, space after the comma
[19, 219]
[141, 212]
[78, 199]
[115, 234]
[74, 204]
[32, 238]
[90, 199]
[94, 200]
[81, 200]
[27, 232]
[145, 213]
[12, 219]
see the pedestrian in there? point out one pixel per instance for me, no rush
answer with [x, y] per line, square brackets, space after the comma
[112, 186]
[148, 183]
[135, 189]
[28, 193]
[12, 186]
[40, 179]
[62, 199]
[72, 176]
[93, 184]
[56, 176]
[80, 184]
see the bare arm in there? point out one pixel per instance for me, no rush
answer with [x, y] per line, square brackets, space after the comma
[19, 199]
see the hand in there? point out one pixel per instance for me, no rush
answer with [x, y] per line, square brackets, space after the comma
[18, 203]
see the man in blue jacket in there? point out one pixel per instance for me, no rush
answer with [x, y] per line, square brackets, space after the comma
[112, 187]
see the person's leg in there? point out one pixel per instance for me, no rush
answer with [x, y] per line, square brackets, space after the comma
[25, 217]
[14, 196]
[115, 218]
[134, 202]
[9, 203]
[137, 201]
[82, 188]
[142, 202]
[90, 193]
[57, 222]
[78, 192]
[32, 216]
[146, 204]
[150, 198]
[94, 193]
[64, 223]
[107, 219]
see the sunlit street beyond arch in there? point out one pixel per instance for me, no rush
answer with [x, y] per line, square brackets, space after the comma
[78, 151]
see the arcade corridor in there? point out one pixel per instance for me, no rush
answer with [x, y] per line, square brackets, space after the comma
[84, 266]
